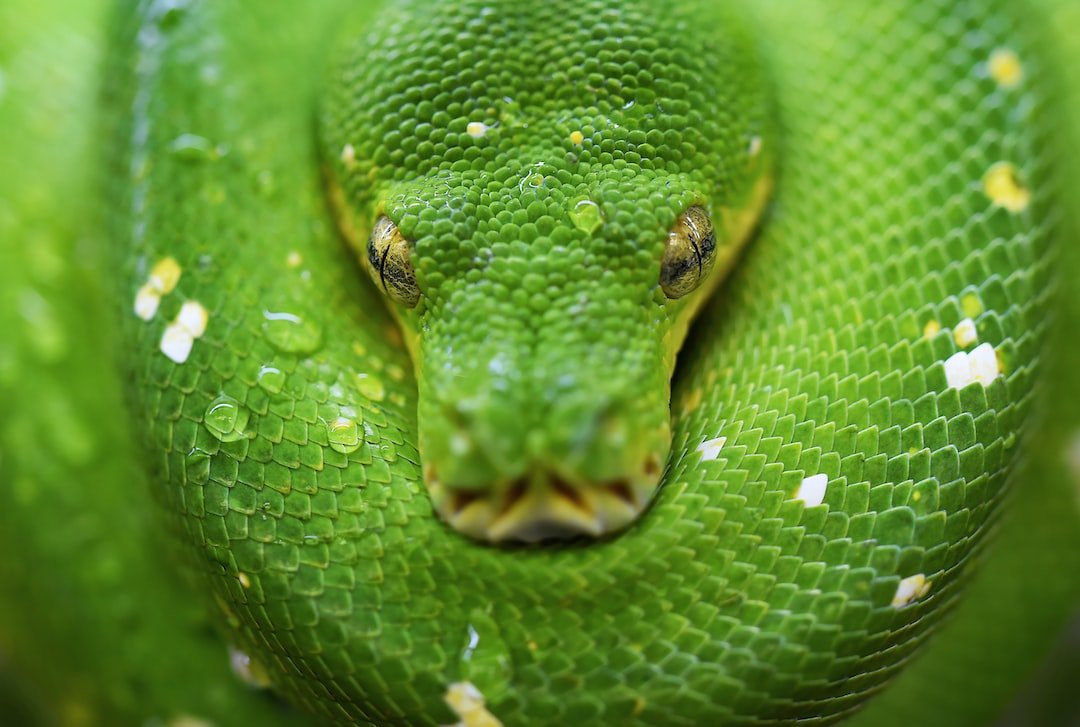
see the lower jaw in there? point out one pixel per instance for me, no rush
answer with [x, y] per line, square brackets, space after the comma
[542, 508]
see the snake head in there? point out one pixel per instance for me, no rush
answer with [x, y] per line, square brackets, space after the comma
[544, 238]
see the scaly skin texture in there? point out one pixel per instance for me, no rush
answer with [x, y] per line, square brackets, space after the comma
[285, 439]
[538, 205]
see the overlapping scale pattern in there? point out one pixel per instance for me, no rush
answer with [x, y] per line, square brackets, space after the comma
[841, 440]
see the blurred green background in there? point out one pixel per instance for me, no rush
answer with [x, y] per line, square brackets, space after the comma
[94, 631]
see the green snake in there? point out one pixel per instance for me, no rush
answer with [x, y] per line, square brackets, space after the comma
[659, 363]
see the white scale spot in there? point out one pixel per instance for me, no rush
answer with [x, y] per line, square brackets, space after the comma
[249, 671]
[812, 490]
[755, 146]
[476, 129]
[710, 448]
[146, 302]
[964, 334]
[294, 260]
[348, 156]
[909, 589]
[962, 368]
[192, 316]
[176, 343]
[468, 704]
[460, 444]
[180, 335]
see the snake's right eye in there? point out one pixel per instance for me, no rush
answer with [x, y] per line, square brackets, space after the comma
[689, 253]
[390, 262]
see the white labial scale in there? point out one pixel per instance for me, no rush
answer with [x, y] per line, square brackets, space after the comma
[812, 490]
[710, 448]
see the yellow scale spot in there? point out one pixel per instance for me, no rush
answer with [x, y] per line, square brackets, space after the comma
[75, 713]
[931, 329]
[1005, 68]
[1002, 185]
[162, 280]
[691, 401]
[165, 275]
[971, 305]
[965, 334]
[910, 589]
[468, 703]
[1072, 457]
[294, 259]
[576, 137]
[187, 720]
[244, 579]
[476, 129]
[227, 611]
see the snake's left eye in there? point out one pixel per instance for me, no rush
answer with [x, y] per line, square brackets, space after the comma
[390, 262]
[689, 253]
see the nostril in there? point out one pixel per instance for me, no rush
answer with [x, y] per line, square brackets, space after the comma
[569, 492]
[461, 499]
[652, 465]
[515, 493]
[622, 491]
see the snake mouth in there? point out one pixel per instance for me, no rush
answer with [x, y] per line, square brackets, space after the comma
[541, 506]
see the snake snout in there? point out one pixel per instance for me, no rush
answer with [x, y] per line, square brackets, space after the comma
[545, 459]
[542, 506]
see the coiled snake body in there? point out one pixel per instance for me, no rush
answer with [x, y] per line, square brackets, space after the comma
[545, 194]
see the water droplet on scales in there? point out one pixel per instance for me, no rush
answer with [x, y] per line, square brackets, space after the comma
[226, 419]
